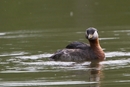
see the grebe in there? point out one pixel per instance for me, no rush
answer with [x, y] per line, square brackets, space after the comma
[79, 52]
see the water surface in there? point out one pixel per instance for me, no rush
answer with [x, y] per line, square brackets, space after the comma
[30, 32]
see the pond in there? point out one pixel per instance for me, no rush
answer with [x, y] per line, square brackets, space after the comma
[31, 31]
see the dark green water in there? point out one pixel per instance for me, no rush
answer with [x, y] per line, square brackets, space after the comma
[32, 30]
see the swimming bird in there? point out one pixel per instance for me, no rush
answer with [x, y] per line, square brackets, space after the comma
[79, 51]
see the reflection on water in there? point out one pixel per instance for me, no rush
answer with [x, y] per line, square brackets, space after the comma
[95, 73]
[91, 71]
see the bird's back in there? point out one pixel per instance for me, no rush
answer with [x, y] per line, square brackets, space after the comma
[75, 51]
[77, 45]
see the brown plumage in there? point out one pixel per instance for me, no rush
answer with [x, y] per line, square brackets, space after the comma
[79, 52]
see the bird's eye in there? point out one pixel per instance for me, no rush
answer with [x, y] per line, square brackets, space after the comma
[87, 32]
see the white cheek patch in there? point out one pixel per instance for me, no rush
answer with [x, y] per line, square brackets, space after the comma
[95, 35]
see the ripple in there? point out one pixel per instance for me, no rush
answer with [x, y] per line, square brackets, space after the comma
[21, 34]
[116, 62]
[35, 56]
[49, 63]
[40, 83]
[117, 54]
[122, 31]
[109, 38]
[2, 34]
[123, 81]
[13, 54]
[56, 64]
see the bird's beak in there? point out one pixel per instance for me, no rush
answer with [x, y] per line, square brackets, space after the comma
[90, 36]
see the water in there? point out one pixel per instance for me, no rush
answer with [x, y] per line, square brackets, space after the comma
[30, 32]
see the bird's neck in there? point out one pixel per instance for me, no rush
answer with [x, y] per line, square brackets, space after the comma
[95, 45]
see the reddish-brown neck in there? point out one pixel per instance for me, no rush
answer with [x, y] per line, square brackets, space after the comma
[95, 45]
